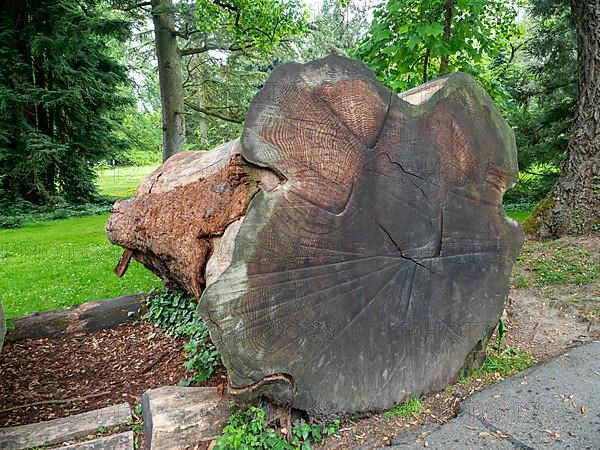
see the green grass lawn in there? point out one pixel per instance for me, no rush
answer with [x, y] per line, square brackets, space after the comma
[56, 264]
[121, 181]
[519, 215]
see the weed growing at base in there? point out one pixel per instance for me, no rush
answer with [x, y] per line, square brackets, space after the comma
[501, 361]
[407, 410]
[248, 429]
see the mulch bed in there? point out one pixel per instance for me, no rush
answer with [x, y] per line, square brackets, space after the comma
[43, 379]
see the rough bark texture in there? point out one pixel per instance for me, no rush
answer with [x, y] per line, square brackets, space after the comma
[573, 207]
[179, 208]
[376, 266]
[385, 257]
[169, 74]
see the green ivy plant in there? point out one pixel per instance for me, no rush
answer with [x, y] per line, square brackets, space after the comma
[175, 313]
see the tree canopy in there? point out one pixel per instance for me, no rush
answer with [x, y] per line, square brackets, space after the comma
[412, 41]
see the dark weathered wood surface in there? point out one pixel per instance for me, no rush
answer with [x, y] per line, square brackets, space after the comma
[373, 271]
[64, 429]
[89, 316]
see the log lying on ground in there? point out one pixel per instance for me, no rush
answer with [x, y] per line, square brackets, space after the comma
[370, 266]
[179, 208]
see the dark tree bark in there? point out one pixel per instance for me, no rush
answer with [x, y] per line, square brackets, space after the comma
[448, 5]
[169, 73]
[353, 250]
[573, 206]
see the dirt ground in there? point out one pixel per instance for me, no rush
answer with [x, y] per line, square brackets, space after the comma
[554, 304]
[43, 379]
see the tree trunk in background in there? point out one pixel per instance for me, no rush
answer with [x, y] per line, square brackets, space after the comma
[169, 74]
[448, 4]
[573, 206]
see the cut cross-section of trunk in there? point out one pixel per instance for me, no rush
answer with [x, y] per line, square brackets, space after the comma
[352, 250]
[385, 258]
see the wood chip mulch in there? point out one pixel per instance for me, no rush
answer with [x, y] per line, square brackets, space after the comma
[43, 379]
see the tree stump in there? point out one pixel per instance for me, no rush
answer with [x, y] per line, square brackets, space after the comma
[375, 261]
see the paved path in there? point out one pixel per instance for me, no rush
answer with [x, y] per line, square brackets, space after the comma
[555, 405]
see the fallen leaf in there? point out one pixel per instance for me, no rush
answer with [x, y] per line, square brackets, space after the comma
[583, 410]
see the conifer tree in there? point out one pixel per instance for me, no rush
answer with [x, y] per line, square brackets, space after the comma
[60, 93]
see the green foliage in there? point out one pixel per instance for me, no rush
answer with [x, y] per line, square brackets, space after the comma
[61, 92]
[62, 263]
[535, 179]
[175, 313]
[201, 356]
[238, 24]
[407, 410]
[409, 40]
[565, 265]
[228, 48]
[336, 29]
[518, 211]
[247, 429]
[143, 132]
[23, 212]
[543, 87]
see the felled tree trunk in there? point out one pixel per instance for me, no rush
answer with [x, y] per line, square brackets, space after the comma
[374, 261]
[173, 222]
